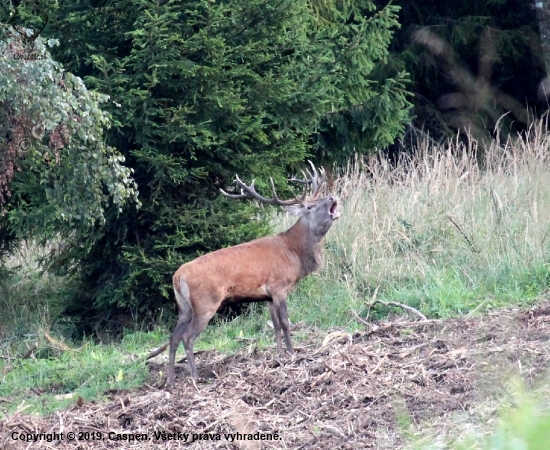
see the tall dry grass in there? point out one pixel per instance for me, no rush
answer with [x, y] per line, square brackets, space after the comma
[452, 229]
[29, 297]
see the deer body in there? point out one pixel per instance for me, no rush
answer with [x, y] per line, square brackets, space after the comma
[263, 269]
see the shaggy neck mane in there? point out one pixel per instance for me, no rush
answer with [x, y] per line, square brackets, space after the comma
[306, 245]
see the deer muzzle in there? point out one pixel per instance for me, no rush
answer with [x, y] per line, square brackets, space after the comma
[332, 209]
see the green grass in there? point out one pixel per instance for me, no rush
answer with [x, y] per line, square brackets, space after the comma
[90, 371]
[31, 305]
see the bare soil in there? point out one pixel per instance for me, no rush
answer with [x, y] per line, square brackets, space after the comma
[338, 391]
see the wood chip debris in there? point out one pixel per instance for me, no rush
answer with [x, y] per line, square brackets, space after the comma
[341, 392]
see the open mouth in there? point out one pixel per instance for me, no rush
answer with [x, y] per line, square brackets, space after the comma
[333, 213]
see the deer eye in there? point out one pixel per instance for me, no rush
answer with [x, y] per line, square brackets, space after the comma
[310, 206]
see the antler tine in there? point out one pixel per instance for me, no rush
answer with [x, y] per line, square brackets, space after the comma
[312, 178]
[241, 195]
[302, 198]
[316, 185]
[317, 179]
[297, 180]
[294, 201]
[323, 182]
[250, 191]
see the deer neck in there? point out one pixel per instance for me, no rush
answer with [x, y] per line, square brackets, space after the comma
[306, 246]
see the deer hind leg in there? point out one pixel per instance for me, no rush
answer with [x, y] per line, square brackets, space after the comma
[184, 323]
[285, 324]
[190, 334]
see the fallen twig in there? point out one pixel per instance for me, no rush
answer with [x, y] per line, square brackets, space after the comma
[399, 305]
[58, 345]
[380, 362]
[158, 351]
[436, 365]
[360, 319]
[30, 351]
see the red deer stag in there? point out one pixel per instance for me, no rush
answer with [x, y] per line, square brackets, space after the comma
[262, 269]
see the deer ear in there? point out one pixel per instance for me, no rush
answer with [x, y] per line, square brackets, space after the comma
[294, 210]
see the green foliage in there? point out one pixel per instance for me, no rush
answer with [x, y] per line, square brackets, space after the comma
[376, 106]
[523, 427]
[200, 91]
[56, 173]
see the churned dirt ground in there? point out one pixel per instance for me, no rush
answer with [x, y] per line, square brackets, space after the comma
[339, 391]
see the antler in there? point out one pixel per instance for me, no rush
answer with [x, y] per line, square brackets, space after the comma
[250, 191]
[316, 184]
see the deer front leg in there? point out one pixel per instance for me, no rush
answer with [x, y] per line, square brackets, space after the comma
[276, 326]
[284, 323]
